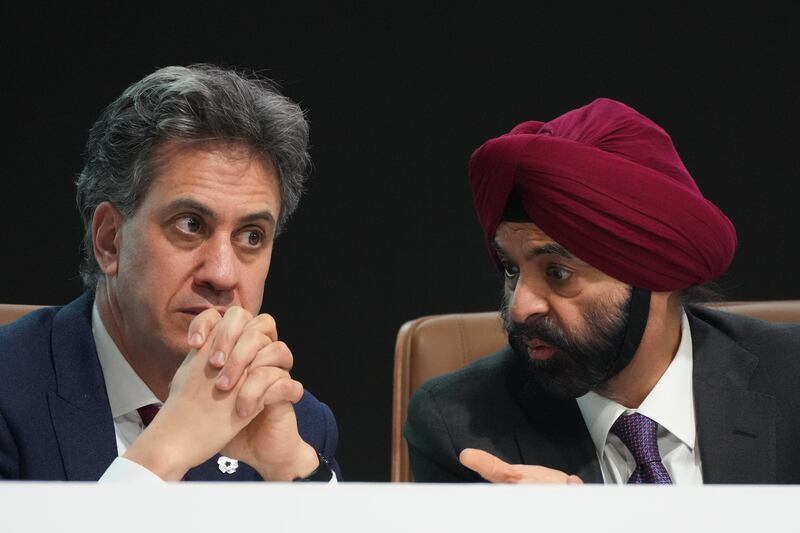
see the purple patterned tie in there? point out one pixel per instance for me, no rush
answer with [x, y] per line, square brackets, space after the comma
[148, 413]
[639, 434]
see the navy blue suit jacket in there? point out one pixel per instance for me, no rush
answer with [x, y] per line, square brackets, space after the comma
[55, 419]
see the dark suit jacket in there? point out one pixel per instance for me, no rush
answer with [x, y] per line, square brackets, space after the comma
[747, 400]
[55, 420]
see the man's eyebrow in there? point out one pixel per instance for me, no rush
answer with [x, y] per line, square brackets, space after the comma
[264, 216]
[190, 204]
[550, 248]
[498, 248]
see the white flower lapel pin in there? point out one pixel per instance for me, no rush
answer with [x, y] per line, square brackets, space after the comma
[227, 465]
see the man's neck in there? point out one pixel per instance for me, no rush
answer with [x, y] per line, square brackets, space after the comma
[149, 364]
[660, 342]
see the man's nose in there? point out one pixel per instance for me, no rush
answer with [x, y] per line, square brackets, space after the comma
[218, 268]
[529, 300]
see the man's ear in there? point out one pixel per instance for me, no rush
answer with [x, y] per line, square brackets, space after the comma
[106, 228]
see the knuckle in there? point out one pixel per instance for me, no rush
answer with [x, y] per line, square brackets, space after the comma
[514, 475]
[237, 312]
[251, 340]
[298, 390]
[288, 387]
[267, 324]
[261, 373]
[235, 359]
[224, 338]
[268, 375]
[268, 320]
[248, 394]
[284, 386]
[284, 353]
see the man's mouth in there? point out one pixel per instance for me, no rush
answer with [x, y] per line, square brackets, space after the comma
[194, 311]
[538, 350]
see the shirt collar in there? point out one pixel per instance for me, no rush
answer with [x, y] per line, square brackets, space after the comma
[126, 390]
[670, 403]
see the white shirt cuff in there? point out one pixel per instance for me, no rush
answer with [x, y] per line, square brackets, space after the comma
[126, 471]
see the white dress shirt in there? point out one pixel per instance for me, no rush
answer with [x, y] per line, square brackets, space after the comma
[126, 394]
[670, 404]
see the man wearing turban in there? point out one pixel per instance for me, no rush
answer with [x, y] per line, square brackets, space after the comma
[600, 231]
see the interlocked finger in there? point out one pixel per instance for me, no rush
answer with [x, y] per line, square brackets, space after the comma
[284, 389]
[238, 343]
[274, 354]
[228, 330]
[201, 326]
[258, 381]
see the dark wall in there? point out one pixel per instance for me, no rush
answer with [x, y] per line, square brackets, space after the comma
[397, 101]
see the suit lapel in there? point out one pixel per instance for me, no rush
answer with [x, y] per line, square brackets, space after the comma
[736, 426]
[79, 407]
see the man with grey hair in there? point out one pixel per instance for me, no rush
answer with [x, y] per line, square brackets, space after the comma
[164, 368]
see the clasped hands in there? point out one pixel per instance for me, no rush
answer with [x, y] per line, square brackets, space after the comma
[233, 395]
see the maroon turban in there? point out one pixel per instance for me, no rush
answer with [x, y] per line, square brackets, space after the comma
[606, 183]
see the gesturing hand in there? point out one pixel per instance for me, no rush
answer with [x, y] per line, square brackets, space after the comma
[498, 471]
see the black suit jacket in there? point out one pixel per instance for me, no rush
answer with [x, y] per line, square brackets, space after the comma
[55, 419]
[747, 399]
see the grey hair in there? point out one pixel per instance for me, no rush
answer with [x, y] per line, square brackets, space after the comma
[186, 104]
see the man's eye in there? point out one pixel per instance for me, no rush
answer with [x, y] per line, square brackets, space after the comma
[188, 224]
[251, 238]
[254, 238]
[509, 271]
[558, 273]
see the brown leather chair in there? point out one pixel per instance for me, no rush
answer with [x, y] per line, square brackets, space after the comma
[434, 345]
[10, 312]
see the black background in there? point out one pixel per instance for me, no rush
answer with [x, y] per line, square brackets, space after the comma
[398, 98]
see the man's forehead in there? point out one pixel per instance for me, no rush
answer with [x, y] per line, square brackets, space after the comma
[176, 157]
[530, 238]
[210, 177]
[526, 231]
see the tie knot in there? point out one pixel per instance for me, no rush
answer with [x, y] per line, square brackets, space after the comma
[640, 436]
[148, 413]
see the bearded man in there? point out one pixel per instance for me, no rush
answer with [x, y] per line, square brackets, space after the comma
[610, 375]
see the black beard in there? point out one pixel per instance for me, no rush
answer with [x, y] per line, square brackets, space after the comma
[579, 364]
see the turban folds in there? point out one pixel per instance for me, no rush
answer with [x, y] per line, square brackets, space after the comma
[606, 183]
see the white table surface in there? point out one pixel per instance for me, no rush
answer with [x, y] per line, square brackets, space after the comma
[385, 507]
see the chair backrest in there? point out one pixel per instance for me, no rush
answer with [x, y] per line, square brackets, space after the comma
[434, 345]
[10, 312]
